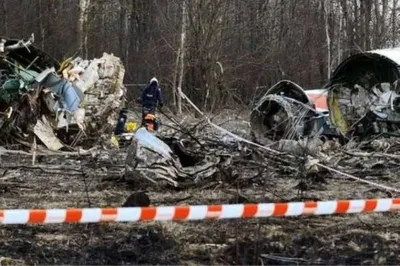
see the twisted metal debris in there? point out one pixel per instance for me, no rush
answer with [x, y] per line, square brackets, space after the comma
[56, 103]
[362, 99]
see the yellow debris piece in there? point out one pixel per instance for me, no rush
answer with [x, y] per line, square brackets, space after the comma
[66, 63]
[130, 127]
[114, 141]
[336, 114]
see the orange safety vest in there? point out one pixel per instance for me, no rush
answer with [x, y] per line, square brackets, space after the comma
[149, 119]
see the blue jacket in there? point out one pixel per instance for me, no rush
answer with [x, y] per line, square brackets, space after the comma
[151, 96]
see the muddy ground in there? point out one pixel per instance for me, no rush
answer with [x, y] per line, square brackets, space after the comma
[83, 182]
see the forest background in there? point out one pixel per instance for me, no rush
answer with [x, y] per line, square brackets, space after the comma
[218, 52]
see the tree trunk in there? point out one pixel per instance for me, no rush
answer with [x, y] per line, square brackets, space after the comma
[356, 23]
[103, 32]
[5, 17]
[363, 25]
[394, 27]
[339, 41]
[128, 18]
[174, 88]
[383, 18]
[124, 34]
[182, 50]
[326, 8]
[121, 33]
[82, 25]
[42, 29]
[348, 26]
[368, 11]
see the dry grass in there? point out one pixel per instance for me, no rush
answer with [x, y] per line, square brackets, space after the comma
[351, 239]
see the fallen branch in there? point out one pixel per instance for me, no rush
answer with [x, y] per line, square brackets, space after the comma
[357, 178]
[173, 182]
[184, 130]
[46, 152]
[20, 44]
[40, 167]
[373, 154]
[226, 131]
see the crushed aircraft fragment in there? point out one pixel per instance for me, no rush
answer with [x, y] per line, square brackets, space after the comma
[361, 99]
[150, 158]
[364, 94]
[286, 111]
[56, 102]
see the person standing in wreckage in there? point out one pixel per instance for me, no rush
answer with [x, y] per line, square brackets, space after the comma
[151, 99]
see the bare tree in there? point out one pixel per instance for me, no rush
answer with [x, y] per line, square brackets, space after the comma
[4, 12]
[175, 93]
[394, 20]
[216, 51]
[83, 26]
[182, 52]
[326, 6]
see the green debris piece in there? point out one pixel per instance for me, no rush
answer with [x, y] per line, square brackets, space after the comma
[10, 90]
[12, 85]
[28, 76]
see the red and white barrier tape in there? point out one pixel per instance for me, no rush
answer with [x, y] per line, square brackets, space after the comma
[199, 212]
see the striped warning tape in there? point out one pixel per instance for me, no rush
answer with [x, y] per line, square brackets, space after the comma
[199, 212]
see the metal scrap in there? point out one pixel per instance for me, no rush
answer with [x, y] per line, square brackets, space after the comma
[364, 97]
[286, 111]
[361, 99]
[149, 158]
[56, 102]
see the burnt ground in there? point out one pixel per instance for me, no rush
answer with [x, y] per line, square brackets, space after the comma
[347, 239]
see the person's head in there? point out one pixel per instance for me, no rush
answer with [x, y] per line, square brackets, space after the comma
[154, 81]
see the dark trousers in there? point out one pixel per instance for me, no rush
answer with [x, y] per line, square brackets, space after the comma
[119, 129]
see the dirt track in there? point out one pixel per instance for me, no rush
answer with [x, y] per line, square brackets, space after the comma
[351, 239]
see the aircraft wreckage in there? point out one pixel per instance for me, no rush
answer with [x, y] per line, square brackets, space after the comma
[286, 111]
[62, 105]
[361, 99]
[56, 103]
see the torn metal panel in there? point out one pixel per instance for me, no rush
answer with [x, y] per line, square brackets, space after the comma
[322, 125]
[102, 83]
[310, 146]
[71, 95]
[45, 133]
[319, 98]
[286, 111]
[363, 96]
[149, 141]
[28, 56]
[368, 69]
[20, 63]
[150, 158]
